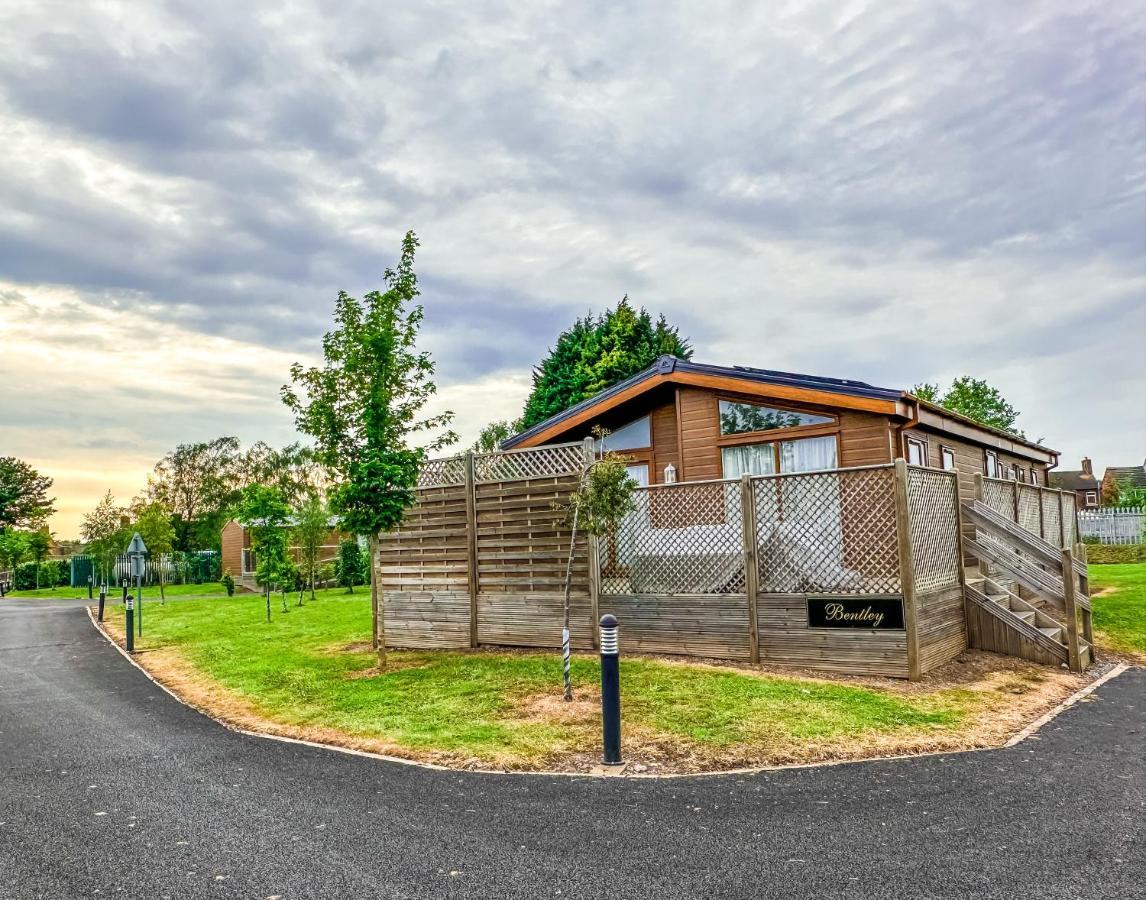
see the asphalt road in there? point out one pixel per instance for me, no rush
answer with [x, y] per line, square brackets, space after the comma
[108, 786]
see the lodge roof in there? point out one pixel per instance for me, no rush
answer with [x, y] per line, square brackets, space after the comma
[1073, 480]
[1135, 476]
[670, 368]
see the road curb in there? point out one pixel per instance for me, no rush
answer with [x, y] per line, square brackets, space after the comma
[1016, 739]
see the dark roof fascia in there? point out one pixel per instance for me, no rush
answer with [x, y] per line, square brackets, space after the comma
[666, 365]
[944, 412]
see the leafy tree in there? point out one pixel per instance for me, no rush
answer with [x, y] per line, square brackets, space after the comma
[311, 526]
[265, 514]
[13, 550]
[153, 522]
[1123, 494]
[975, 399]
[349, 566]
[198, 483]
[293, 470]
[39, 543]
[365, 405]
[24, 500]
[105, 534]
[595, 353]
[490, 438]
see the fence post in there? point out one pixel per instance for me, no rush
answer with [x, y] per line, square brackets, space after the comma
[979, 486]
[1068, 588]
[748, 526]
[1061, 522]
[1015, 505]
[1042, 518]
[907, 569]
[471, 545]
[594, 554]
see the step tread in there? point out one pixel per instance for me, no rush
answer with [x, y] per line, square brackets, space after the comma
[1051, 632]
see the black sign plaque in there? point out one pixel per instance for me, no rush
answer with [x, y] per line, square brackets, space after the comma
[881, 613]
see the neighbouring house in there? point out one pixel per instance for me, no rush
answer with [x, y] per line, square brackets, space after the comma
[683, 421]
[1123, 477]
[239, 559]
[1087, 489]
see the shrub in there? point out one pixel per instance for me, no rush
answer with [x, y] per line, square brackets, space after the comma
[348, 568]
[229, 583]
[53, 573]
[1116, 553]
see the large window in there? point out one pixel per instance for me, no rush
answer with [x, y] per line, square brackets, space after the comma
[632, 436]
[805, 455]
[738, 418]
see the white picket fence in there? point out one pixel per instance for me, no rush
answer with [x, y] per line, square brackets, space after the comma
[1114, 525]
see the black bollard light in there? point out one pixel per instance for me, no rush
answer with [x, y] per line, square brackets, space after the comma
[129, 603]
[124, 582]
[102, 599]
[610, 691]
[89, 587]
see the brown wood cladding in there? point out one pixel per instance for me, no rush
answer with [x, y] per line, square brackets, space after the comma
[941, 625]
[865, 439]
[699, 431]
[666, 447]
[231, 557]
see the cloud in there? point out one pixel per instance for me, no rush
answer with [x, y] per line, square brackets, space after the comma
[885, 191]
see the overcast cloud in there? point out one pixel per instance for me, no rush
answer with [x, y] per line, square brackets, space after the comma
[889, 191]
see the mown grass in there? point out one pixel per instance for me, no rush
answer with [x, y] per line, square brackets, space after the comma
[311, 667]
[1121, 614]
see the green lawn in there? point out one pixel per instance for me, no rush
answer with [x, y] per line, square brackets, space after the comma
[1121, 614]
[310, 668]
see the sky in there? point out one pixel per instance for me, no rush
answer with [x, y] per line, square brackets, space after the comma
[887, 191]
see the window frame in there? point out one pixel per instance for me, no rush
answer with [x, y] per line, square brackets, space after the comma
[777, 450]
[1091, 498]
[944, 452]
[1020, 473]
[990, 456]
[919, 442]
[758, 437]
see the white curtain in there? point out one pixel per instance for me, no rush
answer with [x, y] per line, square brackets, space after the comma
[748, 459]
[808, 455]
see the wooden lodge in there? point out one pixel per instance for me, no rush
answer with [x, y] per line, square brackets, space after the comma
[238, 558]
[779, 518]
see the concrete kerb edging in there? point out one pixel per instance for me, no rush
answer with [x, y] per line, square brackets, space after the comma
[1015, 739]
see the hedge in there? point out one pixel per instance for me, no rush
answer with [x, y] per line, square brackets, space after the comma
[52, 572]
[1116, 553]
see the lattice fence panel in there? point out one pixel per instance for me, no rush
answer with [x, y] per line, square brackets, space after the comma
[1068, 511]
[827, 532]
[1030, 515]
[682, 538]
[443, 472]
[537, 462]
[1000, 496]
[1052, 515]
[933, 527]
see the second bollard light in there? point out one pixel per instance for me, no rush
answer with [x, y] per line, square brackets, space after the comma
[129, 613]
[610, 692]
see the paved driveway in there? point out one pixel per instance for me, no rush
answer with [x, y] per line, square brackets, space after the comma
[110, 787]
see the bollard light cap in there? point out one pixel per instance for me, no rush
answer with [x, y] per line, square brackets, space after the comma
[608, 621]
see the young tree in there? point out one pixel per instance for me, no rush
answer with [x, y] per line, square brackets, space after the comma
[349, 565]
[365, 405]
[153, 522]
[593, 354]
[975, 399]
[490, 437]
[39, 543]
[311, 526]
[603, 497]
[265, 514]
[104, 535]
[24, 500]
[293, 470]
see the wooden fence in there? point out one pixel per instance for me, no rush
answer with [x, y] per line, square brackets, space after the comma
[727, 569]
[1113, 526]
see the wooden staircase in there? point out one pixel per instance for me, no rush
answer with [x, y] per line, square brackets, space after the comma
[1024, 596]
